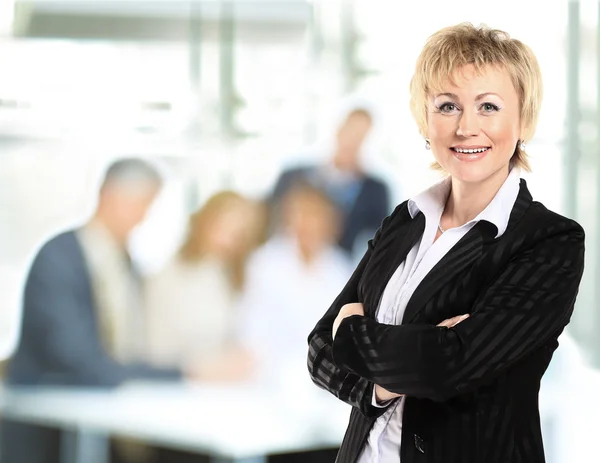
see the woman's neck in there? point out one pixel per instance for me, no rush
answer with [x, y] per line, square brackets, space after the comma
[467, 200]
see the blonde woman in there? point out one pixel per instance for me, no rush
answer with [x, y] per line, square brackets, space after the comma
[441, 336]
[191, 301]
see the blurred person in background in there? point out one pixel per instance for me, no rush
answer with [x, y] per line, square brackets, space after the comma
[362, 199]
[82, 308]
[441, 336]
[288, 280]
[191, 300]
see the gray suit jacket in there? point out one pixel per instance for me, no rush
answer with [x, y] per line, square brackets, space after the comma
[60, 344]
[60, 340]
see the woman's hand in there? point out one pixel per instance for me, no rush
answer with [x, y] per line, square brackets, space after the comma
[355, 308]
[383, 395]
[451, 322]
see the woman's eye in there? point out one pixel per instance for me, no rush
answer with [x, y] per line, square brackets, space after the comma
[447, 107]
[489, 107]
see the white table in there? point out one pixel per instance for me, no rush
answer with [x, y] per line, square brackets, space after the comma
[231, 424]
[246, 424]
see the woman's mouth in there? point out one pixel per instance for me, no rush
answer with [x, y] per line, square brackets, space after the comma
[470, 154]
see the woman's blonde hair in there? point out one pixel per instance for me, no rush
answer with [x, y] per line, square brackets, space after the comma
[197, 243]
[454, 47]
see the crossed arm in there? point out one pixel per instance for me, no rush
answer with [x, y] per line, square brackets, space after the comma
[528, 304]
[356, 308]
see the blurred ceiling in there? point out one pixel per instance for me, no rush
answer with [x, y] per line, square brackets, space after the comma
[161, 20]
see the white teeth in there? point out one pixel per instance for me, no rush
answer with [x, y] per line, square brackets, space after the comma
[470, 151]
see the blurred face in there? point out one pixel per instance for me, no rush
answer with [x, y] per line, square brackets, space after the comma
[474, 124]
[312, 222]
[231, 231]
[350, 138]
[121, 208]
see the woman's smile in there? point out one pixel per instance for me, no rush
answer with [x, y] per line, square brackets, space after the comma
[470, 153]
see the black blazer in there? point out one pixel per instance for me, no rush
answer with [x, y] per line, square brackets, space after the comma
[472, 390]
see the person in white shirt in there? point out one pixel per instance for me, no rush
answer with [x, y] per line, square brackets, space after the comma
[288, 279]
[441, 336]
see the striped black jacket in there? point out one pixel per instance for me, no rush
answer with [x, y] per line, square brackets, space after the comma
[472, 390]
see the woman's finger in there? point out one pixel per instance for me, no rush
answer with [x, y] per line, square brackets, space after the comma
[450, 322]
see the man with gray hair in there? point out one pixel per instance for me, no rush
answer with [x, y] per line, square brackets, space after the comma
[82, 311]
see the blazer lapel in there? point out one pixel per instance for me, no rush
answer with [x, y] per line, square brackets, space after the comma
[462, 255]
[391, 251]
[524, 200]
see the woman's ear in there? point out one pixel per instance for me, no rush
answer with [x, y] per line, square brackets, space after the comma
[524, 132]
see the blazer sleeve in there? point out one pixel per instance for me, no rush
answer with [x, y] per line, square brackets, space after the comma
[59, 325]
[324, 372]
[529, 303]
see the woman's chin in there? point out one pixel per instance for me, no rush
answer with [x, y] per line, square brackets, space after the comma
[470, 173]
[475, 172]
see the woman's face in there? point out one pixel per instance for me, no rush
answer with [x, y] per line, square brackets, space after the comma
[474, 124]
[229, 234]
[311, 221]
